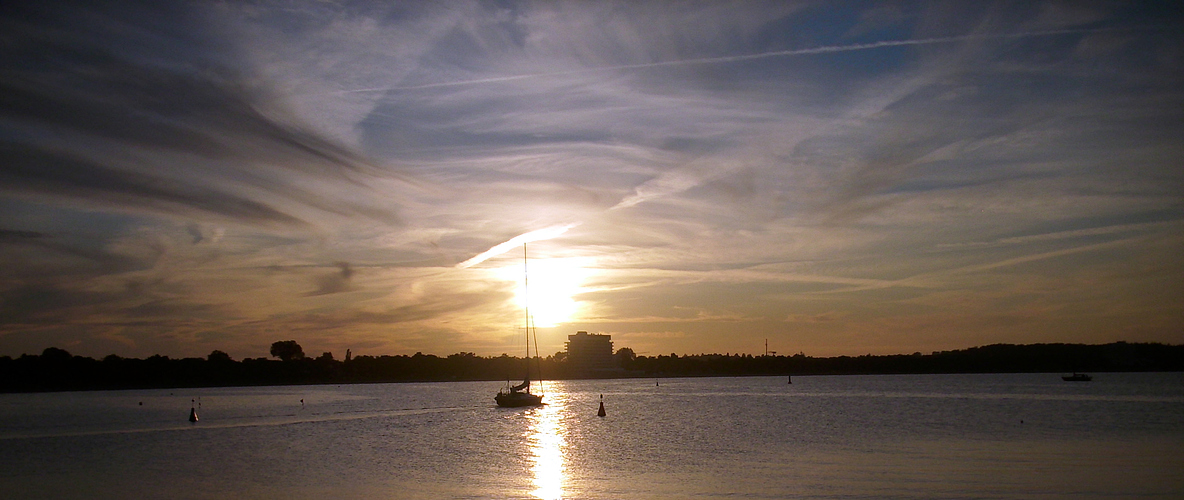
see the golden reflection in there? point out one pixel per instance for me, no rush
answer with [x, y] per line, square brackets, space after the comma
[546, 438]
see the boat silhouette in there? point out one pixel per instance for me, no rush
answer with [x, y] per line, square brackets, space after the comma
[520, 395]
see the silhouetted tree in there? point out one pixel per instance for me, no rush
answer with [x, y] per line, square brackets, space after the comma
[53, 354]
[56, 369]
[625, 357]
[287, 350]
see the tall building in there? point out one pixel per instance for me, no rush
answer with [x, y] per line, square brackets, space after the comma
[590, 353]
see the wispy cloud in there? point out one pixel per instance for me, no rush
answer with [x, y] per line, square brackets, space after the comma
[739, 58]
[515, 242]
[144, 118]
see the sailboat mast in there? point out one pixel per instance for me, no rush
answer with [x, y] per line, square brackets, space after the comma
[526, 308]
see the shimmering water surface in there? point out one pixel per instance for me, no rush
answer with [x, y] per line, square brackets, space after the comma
[901, 436]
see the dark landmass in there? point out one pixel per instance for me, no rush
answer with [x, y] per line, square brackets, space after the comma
[57, 370]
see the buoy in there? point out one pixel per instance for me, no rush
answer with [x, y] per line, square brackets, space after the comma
[789, 379]
[192, 414]
[600, 412]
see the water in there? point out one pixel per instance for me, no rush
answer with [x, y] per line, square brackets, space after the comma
[905, 436]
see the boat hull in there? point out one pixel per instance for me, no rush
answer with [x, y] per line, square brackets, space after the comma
[1077, 377]
[517, 399]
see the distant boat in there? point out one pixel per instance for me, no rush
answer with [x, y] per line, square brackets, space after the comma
[520, 395]
[1077, 377]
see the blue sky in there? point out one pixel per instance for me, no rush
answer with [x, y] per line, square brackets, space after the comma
[835, 177]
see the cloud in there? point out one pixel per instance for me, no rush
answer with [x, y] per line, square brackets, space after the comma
[699, 316]
[336, 282]
[679, 180]
[739, 58]
[1067, 234]
[205, 171]
[129, 111]
[19, 236]
[517, 241]
[61, 175]
[825, 317]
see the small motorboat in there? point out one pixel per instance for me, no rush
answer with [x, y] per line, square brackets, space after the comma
[1077, 377]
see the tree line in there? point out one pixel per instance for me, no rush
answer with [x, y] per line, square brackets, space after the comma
[57, 370]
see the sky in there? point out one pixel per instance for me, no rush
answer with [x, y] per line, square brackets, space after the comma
[832, 178]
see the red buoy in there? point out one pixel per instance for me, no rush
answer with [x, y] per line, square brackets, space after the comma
[600, 412]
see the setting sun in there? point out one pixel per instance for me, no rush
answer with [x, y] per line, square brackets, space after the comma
[553, 286]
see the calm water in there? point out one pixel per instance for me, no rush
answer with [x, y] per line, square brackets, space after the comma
[907, 436]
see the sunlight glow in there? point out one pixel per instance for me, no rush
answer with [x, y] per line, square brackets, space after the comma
[554, 284]
[546, 447]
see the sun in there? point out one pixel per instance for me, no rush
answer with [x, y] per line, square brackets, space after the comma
[553, 286]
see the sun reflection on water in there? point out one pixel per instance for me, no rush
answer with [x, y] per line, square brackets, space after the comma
[546, 438]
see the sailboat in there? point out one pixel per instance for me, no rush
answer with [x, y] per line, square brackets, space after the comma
[520, 395]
